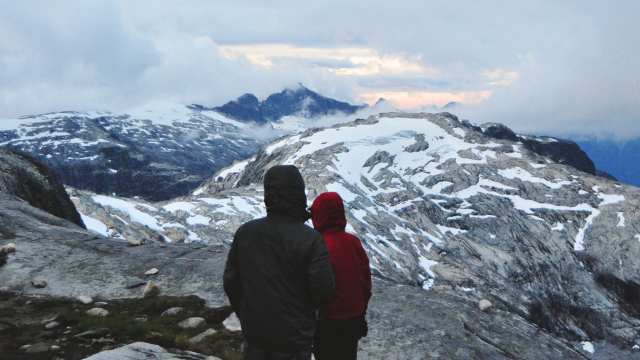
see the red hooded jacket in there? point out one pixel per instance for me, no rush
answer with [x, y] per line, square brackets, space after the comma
[348, 259]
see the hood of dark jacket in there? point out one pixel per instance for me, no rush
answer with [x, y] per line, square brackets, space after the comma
[284, 192]
[328, 212]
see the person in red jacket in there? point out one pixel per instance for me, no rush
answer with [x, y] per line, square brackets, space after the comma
[344, 323]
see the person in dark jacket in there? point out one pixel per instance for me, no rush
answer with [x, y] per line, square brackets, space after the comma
[279, 273]
[344, 323]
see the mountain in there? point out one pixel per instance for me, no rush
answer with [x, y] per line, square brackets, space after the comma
[156, 153]
[300, 102]
[618, 158]
[444, 206]
[162, 150]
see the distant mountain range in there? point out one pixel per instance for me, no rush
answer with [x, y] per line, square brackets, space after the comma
[301, 102]
[166, 150]
[163, 150]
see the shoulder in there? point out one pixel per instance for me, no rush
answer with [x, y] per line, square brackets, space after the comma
[251, 226]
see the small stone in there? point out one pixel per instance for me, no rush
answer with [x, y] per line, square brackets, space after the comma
[171, 312]
[28, 302]
[85, 299]
[37, 348]
[155, 334]
[38, 283]
[52, 325]
[212, 358]
[93, 334]
[55, 348]
[198, 338]
[140, 320]
[484, 305]
[101, 304]
[192, 323]
[25, 346]
[152, 271]
[3, 327]
[232, 323]
[131, 283]
[135, 242]
[98, 312]
[151, 290]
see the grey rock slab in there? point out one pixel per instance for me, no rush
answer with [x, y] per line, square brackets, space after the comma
[97, 312]
[72, 253]
[37, 348]
[232, 323]
[192, 323]
[171, 312]
[410, 323]
[198, 338]
[137, 351]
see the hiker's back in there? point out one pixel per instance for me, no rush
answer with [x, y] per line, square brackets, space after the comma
[277, 305]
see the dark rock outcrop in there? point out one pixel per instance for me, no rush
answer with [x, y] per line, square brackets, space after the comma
[559, 150]
[25, 178]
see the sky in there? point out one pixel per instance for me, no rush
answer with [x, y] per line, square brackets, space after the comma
[566, 68]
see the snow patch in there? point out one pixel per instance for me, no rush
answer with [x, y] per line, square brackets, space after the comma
[95, 225]
[587, 346]
[621, 222]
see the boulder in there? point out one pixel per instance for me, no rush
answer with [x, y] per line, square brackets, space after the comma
[39, 284]
[484, 305]
[97, 312]
[85, 299]
[151, 290]
[27, 179]
[171, 312]
[192, 323]
[52, 325]
[135, 242]
[9, 248]
[138, 350]
[232, 323]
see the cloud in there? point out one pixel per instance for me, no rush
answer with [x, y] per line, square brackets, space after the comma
[538, 66]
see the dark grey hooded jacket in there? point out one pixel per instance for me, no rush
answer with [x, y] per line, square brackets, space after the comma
[278, 271]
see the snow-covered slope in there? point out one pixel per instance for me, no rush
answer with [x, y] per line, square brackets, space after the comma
[156, 152]
[440, 205]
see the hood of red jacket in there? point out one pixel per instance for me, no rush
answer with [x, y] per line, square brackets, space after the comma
[328, 212]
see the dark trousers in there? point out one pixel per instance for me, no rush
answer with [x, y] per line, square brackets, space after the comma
[252, 352]
[337, 339]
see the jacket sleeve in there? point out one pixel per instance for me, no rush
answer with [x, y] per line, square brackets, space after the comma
[365, 269]
[320, 273]
[231, 280]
